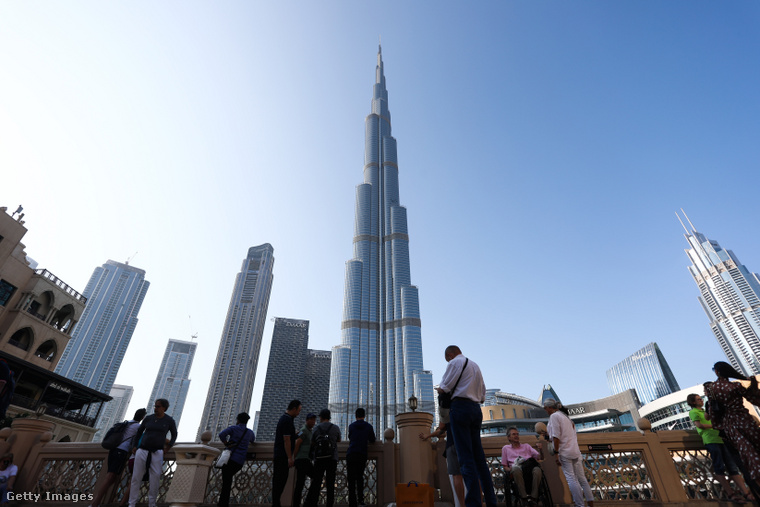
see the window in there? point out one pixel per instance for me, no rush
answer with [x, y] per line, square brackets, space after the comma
[6, 291]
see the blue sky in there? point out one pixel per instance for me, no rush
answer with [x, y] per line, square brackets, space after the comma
[543, 150]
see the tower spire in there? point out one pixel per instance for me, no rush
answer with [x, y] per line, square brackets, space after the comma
[687, 219]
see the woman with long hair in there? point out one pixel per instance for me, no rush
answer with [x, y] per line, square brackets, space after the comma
[727, 412]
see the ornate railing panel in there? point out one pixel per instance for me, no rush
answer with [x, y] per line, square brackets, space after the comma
[618, 475]
[253, 484]
[168, 472]
[61, 477]
[695, 468]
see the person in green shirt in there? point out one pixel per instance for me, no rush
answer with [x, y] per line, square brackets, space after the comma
[303, 464]
[720, 455]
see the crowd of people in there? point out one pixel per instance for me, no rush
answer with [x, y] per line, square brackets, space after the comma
[730, 434]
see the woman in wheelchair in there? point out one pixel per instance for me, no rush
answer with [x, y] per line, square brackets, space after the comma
[520, 462]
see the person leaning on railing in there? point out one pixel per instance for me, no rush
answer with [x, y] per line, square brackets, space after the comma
[720, 455]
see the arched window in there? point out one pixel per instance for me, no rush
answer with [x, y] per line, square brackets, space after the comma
[22, 338]
[47, 350]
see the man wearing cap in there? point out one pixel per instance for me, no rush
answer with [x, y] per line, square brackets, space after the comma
[323, 465]
[304, 467]
[464, 381]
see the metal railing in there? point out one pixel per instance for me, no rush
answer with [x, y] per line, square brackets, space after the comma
[60, 283]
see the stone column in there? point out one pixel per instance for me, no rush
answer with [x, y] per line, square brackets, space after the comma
[415, 455]
[26, 434]
[188, 487]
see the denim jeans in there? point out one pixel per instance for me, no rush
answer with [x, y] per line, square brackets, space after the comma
[466, 419]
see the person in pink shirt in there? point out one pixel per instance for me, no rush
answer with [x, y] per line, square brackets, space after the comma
[516, 459]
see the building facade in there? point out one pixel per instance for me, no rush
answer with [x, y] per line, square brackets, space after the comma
[380, 355]
[646, 371]
[115, 410]
[173, 379]
[232, 379]
[38, 312]
[730, 296]
[114, 295]
[293, 372]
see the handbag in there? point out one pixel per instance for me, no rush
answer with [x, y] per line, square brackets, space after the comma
[223, 458]
[414, 494]
[444, 399]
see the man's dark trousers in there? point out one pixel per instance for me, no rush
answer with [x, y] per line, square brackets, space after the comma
[322, 468]
[279, 479]
[466, 419]
[356, 462]
[304, 469]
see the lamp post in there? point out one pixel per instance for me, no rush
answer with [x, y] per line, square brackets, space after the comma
[413, 403]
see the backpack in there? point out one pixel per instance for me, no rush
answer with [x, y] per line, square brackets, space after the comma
[115, 436]
[324, 447]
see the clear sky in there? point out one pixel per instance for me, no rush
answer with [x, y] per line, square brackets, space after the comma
[543, 150]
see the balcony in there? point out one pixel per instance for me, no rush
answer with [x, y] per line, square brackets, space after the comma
[624, 470]
[60, 283]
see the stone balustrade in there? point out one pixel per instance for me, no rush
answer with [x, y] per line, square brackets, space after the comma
[667, 467]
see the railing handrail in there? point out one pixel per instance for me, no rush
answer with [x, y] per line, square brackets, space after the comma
[60, 283]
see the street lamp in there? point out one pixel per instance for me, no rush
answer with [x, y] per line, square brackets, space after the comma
[413, 403]
[41, 409]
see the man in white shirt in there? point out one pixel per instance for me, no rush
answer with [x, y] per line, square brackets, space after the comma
[464, 381]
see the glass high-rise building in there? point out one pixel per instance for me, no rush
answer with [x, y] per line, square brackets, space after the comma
[730, 296]
[114, 295]
[231, 386]
[646, 371]
[115, 410]
[173, 379]
[378, 364]
[293, 372]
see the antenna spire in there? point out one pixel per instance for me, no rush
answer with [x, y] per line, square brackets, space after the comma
[682, 225]
[687, 219]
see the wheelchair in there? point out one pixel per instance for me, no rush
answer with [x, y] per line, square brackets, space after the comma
[512, 496]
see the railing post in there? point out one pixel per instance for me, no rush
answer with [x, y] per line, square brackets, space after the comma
[416, 458]
[386, 477]
[188, 487]
[28, 434]
[664, 475]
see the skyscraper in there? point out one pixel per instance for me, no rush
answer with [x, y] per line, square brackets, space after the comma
[231, 386]
[173, 379]
[114, 411]
[114, 295]
[378, 364]
[730, 296]
[646, 371]
[293, 372]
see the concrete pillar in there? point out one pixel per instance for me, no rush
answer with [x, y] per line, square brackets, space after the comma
[415, 455]
[27, 433]
[188, 487]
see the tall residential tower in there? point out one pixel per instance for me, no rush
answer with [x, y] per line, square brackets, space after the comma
[114, 295]
[231, 386]
[173, 379]
[293, 372]
[730, 296]
[378, 364]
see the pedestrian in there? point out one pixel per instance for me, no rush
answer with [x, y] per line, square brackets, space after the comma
[236, 438]
[727, 412]
[568, 455]
[284, 443]
[324, 447]
[304, 466]
[722, 460]
[450, 453]
[118, 457]
[8, 473]
[520, 461]
[151, 442]
[360, 434]
[463, 381]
